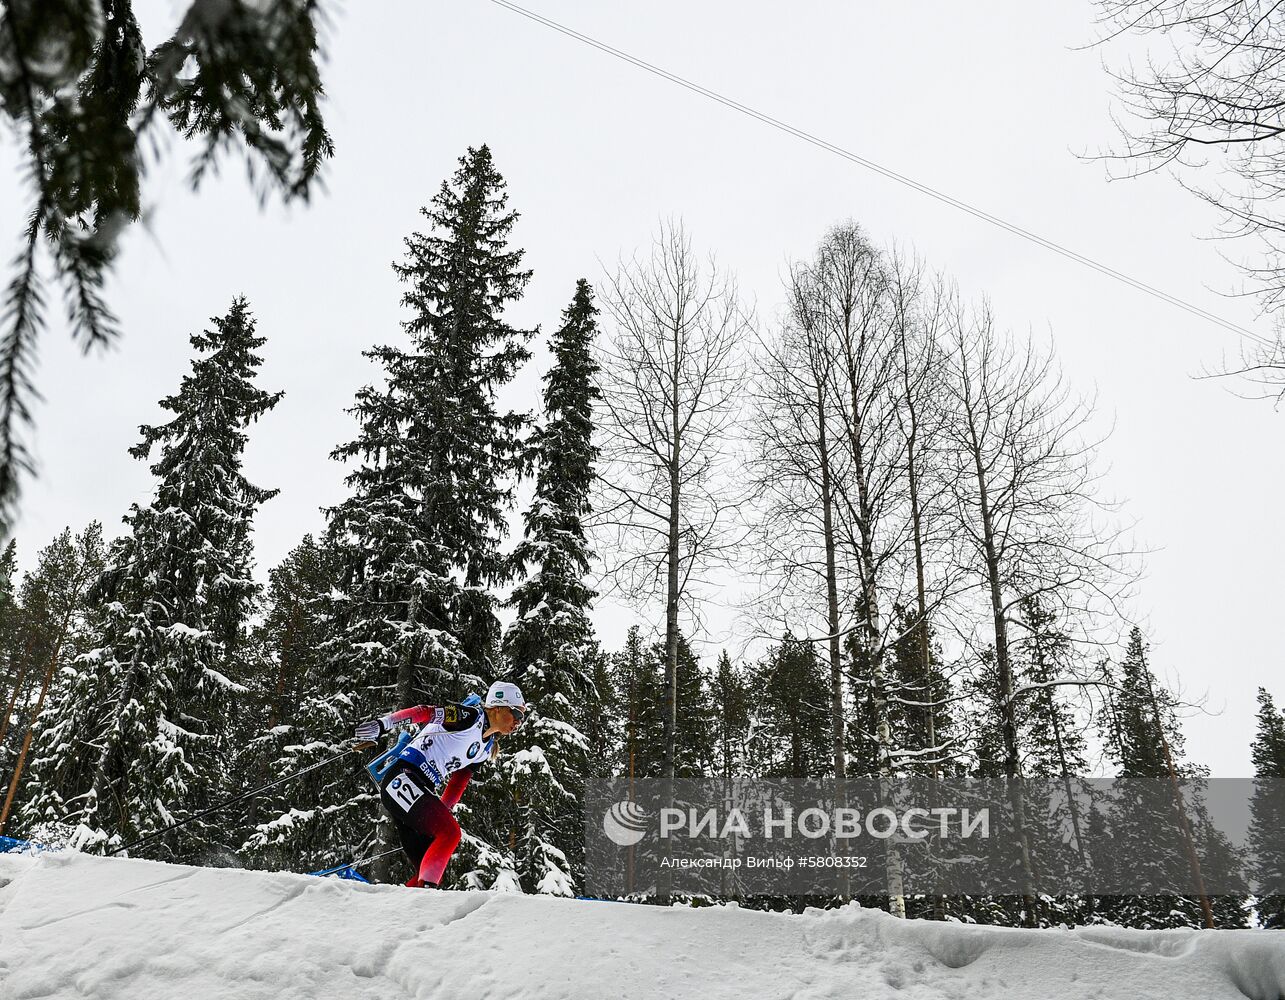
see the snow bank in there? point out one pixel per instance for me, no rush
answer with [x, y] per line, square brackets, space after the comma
[76, 926]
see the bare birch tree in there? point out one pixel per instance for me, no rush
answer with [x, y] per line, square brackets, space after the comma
[671, 389]
[855, 311]
[1026, 497]
[796, 461]
[919, 304]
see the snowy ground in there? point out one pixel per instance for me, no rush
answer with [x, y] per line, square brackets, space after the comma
[75, 926]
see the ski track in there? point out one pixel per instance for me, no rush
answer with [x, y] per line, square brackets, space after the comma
[73, 927]
[186, 874]
[291, 894]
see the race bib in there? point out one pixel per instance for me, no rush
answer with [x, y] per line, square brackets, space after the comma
[403, 790]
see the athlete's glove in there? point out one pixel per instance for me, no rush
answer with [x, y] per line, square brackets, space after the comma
[372, 730]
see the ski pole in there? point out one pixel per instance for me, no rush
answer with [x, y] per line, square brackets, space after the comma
[354, 864]
[240, 798]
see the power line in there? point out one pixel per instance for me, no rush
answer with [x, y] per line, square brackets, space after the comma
[893, 175]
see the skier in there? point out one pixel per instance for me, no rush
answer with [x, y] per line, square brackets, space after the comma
[453, 740]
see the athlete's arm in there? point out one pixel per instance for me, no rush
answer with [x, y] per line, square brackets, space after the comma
[452, 718]
[374, 729]
[455, 786]
[420, 715]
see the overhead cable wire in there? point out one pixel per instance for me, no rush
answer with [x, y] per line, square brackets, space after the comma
[893, 175]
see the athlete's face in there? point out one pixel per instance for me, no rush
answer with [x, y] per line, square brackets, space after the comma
[506, 719]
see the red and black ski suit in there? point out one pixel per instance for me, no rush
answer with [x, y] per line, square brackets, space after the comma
[444, 751]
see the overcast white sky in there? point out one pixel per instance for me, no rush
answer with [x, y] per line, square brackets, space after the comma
[986, 101]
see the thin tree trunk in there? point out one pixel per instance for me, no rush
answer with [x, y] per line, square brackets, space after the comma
[832, 623]
[663, 880]
[921, 626]
[874, 638]
[26, 745]
[40, 702]
[1063, 768]
[17, 686]
[13, 701]
[831, 597]
[629, 861]
[725, 876]
[1008, 724]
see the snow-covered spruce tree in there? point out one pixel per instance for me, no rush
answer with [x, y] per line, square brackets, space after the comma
[550, 646]
[860, 733]
[8, 605]
[638, 674]
[732, 697]
[302, 709]
[433, 470]
[55, 624]
[1267, 826]
[982, 761]
[153, 697]
[694, 734]
[641, 682]
[922, 719]
[920, 698]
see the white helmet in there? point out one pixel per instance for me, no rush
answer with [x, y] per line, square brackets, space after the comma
[504, 693]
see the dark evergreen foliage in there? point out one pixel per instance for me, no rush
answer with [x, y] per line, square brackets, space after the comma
[602, 720]
[419, 538]
[640, 679]
[1146, 846]
[733, 701]
[434, 466]
[792, 739]
[12, 661]
[153, 698]
[80, 88]
[634, 678]
[1267, 826]
[916, 692]
[49, 625]
[549, 646]
[299, 713]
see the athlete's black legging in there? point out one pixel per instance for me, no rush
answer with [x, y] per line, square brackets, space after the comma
[428, 831]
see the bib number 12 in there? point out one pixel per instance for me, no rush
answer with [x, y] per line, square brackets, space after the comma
[404, 791]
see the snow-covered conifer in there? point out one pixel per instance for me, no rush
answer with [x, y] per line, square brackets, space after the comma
[790, 683]
[152, 698]
[302, 711]
[550, 645]
[419, 536]
[433, 466]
